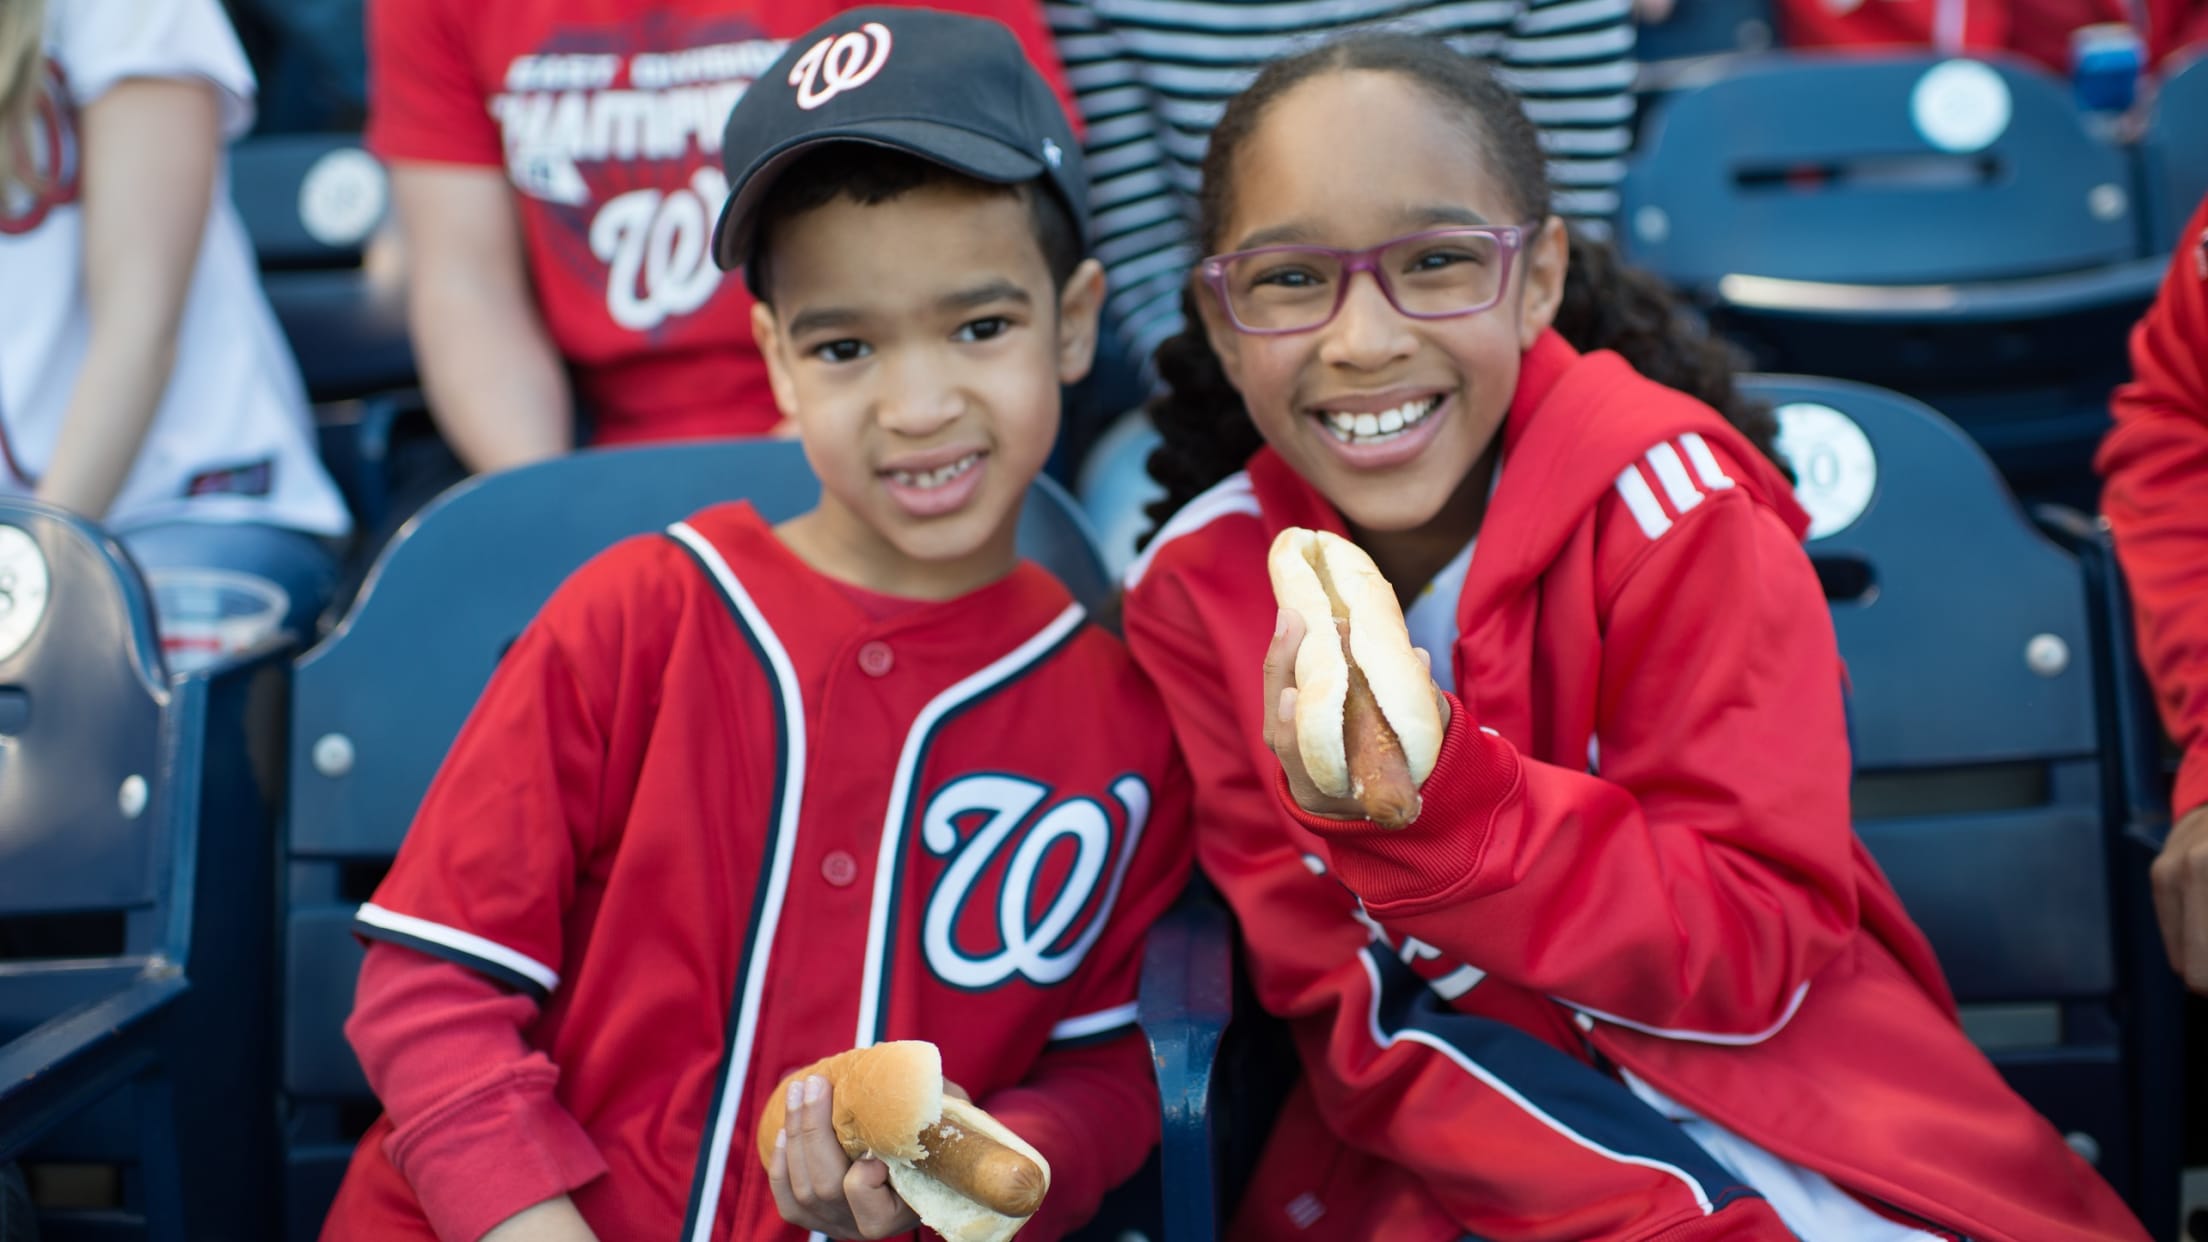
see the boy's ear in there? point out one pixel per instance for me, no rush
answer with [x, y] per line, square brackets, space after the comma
[1546, 260]
[1080, 304]
[766, 332]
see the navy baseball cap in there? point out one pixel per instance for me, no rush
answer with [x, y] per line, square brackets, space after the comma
[953, 89]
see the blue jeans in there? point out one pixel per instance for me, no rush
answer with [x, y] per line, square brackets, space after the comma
[302, 566]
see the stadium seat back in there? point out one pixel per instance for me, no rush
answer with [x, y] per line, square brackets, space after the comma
[1875, 171]
[136, 893]
[1950, 229]
[1988, 780]
[81, 699]
[310, 204]
[2174, 154]
[379, 702]
[1712, 29]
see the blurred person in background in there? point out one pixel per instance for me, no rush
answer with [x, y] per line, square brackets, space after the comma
[556, 173]
[143, 380]
[2038, 30]
[2155, 464]
[1153, 75]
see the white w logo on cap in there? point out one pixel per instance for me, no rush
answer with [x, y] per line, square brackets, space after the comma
[835, 65]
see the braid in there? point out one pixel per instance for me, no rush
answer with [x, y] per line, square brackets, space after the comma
[1609, 304]
[1206, 433]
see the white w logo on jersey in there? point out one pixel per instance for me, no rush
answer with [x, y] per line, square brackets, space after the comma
[832, 66]
[1023, 948]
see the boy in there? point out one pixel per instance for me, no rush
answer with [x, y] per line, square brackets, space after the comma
[745, 796]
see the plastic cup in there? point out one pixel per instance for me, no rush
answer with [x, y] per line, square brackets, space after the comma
[2106, 60]
[206, 615]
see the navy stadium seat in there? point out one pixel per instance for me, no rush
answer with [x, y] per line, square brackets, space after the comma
[1698, 38]
[2003, 763]
[1948, 229]
[2174, 153]
[377, 704]
[310, 204]
[2007, 781]
[136, 879]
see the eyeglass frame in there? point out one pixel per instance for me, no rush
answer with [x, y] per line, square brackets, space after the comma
[1512, 238]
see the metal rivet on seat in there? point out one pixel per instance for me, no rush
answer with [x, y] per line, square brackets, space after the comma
[2087, 1147]
[1651, 225]
[2107, 201]
[131, 798]
[2047, 655]
[333, 754]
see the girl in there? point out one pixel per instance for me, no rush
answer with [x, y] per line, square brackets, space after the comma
[143, 380]
[1629, 974]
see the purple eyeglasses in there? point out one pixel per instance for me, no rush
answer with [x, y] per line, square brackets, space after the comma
[1438, 274]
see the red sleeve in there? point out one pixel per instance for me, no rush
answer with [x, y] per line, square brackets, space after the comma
[483, 884]
[1707, 873]
[1025, 18]
[1086, 1072]
[1491, 1161]
[490, 866]
[2155, 463]
[426, 100]
[475, 1128]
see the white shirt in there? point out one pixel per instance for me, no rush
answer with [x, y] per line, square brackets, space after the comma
[232, 439]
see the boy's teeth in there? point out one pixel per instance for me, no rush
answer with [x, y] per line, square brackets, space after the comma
[1361, 428]
[936, 477]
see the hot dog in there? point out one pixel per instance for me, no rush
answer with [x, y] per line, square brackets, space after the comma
[969, 1177]
[1367, 725]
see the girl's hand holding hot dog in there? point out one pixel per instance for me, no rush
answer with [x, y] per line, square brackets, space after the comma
[1353, 713]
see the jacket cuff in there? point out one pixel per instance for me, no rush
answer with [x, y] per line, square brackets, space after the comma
[1433, 854]
[489, 1154]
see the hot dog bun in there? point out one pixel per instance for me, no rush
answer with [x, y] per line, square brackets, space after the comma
[969, 1177]
[1356, 659]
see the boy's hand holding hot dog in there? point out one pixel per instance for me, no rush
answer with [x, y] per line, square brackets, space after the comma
[874, 1142]
[1351, 708]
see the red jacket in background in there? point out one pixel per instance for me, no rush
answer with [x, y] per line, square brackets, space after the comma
[2037, 29]
[606, 116]
[2155, 461]
[713, 820]
[1635, 852]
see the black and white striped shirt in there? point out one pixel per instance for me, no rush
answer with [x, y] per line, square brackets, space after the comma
[1151, 77]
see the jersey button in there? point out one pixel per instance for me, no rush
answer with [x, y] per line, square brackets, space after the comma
[876, 659]
[839, 868]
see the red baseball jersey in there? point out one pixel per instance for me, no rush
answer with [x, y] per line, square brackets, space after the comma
[2156, 463]
[606, 116]
[1634, 866]
[715, 818]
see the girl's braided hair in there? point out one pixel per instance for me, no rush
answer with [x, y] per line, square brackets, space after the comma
[1207, 432]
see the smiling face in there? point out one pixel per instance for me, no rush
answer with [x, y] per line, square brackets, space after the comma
[919, 344]
[1388, 416]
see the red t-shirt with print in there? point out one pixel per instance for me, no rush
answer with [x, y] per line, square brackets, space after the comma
[607, 116]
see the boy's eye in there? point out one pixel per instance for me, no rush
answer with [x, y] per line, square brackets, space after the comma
[845, 350]
[984, 329]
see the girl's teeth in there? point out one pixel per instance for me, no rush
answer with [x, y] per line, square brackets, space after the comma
[1351, 428]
